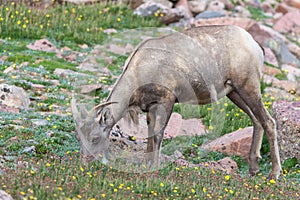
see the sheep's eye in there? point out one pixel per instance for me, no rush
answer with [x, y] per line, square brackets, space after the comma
[95, 140]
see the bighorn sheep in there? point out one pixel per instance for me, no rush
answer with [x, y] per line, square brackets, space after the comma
[196, 66]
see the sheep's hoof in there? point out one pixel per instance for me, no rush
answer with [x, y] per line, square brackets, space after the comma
[253, 172]
[273, 176]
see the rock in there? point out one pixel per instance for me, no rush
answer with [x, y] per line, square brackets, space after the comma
[245, 23]
[175, 127]
[287, 85]
[226, 165]
[133, 4]
[42, 45]
[287, 117]
[197, 6]
[150, 8]
[283, 8]
[85, 89]
[280, 49]
[289, 23]
[291, 77]
[13, 96]
[38, 87]
[210, 14]
[174, 15]
[166, 3]
[293, 3]
[278, 93]
[70, 57]
[271, 70]
[269, 79]
[276, 42]
[270, 57]
[216, 5]
[67, 72]
[84, 46]
[237, 143]
[5, 196]
[294, 49]
[5, 108]
[117, 49]
[263, 34]
[178, 126]
[267, 8]
[110, 31]
[183, 7]
[55, 82]
[29, 150]
[39, 122]
[291, 69]
[240, 11]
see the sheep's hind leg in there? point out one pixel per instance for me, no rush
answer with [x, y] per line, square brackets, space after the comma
[250, 93]
[254, 156]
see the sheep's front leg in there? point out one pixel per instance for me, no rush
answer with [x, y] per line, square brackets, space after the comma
[157, 119]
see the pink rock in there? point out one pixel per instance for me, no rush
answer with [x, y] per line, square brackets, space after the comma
[271, 70]
[288, 23]
[241, 22]
[270, 57]
[85, 89]
[293, 3]
[287, 116]
[184, 4]
[70, 58]
[294, 49]
[225, 165]
[283, 8]
[38, 87]
[5, 108]
[216, 5]
[262, 34]
[237, 143]
[269, 79]
[5, 196]
[286, 85]
[291, 69]
[42, 45]
[176, 127]
[84, 46]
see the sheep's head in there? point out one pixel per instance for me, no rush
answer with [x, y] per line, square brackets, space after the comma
[92, 132]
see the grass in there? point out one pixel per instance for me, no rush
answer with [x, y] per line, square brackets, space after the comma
[53, 170]
[65, 178]
[79, 24]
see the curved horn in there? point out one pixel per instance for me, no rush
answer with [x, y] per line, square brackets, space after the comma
[104, 104]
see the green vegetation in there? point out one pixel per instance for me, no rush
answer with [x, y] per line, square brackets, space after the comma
[39, 145]
[257, 13]
[65, 178]
[79, 24]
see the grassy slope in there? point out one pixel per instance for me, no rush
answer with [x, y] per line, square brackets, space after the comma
[54, 171]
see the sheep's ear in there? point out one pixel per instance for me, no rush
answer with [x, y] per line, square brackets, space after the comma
[75, 112]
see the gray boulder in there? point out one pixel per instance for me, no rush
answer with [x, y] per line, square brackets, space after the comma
[5, 196]
[210, 14]
[287, 116]
[14, 96]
